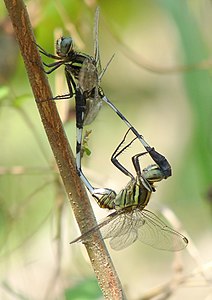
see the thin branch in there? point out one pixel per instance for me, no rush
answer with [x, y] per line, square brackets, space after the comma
[96, 249]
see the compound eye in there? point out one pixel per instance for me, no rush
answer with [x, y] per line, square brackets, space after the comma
[153, 173]
[64, 45]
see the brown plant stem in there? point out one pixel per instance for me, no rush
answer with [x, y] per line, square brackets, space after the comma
[100, 259]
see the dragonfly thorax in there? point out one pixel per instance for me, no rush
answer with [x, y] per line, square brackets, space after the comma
[64, 46]
[133, 195]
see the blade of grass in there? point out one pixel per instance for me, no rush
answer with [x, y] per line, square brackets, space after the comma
[197, 85]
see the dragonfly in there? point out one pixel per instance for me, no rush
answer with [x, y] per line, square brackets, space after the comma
[131, 221]
[83, 75]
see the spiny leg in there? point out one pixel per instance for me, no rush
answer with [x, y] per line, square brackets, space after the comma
[152, 172]
[135, 161]
[53, 66]
[44, 52]
[119, 151]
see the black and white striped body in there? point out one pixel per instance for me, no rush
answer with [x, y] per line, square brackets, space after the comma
[133, 195]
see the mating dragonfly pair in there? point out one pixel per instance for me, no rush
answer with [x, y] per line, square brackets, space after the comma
[130, 221]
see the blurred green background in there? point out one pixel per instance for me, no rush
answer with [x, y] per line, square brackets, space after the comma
[169, 104]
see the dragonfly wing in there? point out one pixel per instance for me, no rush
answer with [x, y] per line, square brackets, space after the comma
[93, 106]
[96, 41]
[88, 75]
[123, 228]
[88, 83]
[124, 240]
[120, 230]
[88, 234]
[154, 232]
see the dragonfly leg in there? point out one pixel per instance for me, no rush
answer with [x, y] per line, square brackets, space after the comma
[53, 66]
[62, 97]
[70, 82]
[117, 152]
[44, 52]
[158, 158]
[150, 174]
[135, 160]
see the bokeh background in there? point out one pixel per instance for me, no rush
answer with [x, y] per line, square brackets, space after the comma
[160, 79]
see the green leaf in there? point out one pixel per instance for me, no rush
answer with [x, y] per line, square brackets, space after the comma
[87, 151]
[4, 91]
[85, 290]
[19, 100]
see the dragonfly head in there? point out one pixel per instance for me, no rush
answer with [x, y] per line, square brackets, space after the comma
[153, 173]
[64, 46]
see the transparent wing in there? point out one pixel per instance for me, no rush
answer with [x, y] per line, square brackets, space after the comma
[88, 234]
[97, 58]
[145, 226]
[121, 230]
[88, 82]
[156, 233]
[96, 41]
[124, 227]
[93, 106]
[119, 227]
[88, 75]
